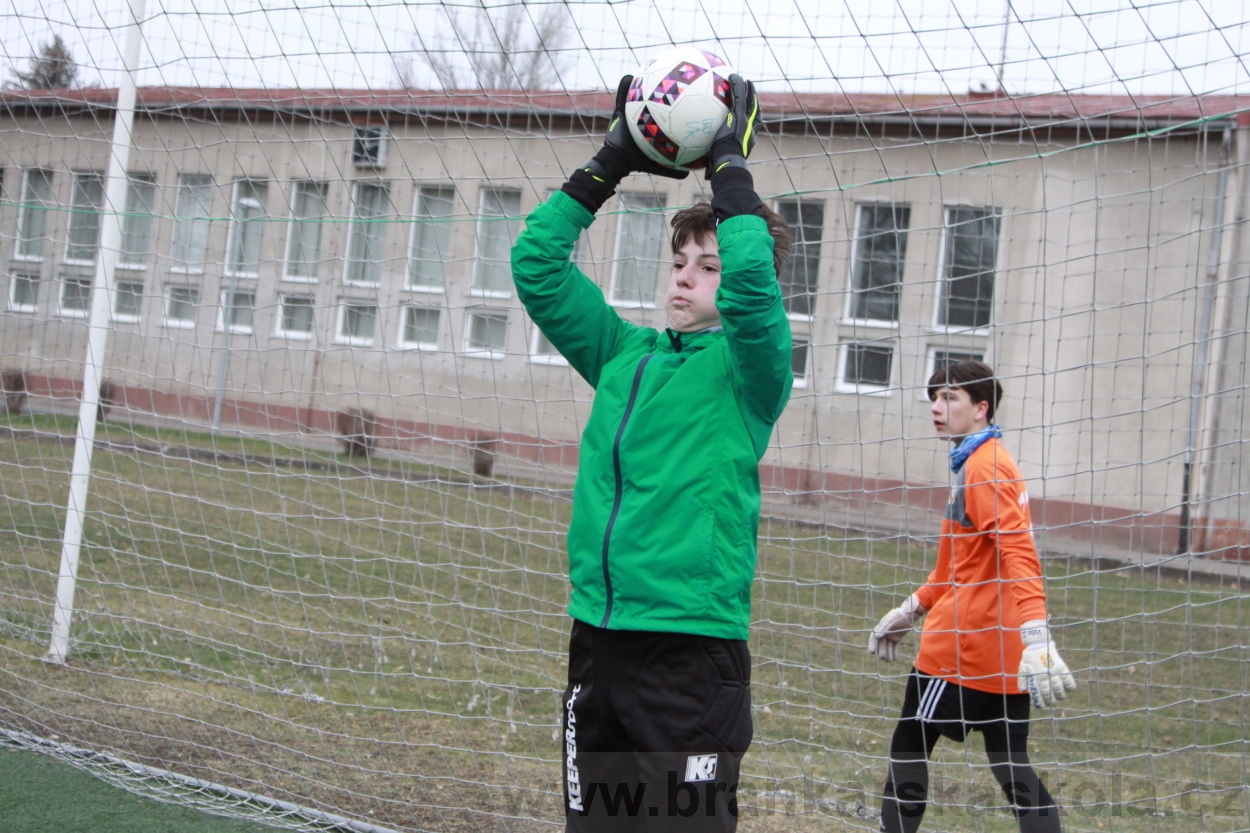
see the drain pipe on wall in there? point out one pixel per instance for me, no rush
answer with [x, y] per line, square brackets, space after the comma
[1202, 349]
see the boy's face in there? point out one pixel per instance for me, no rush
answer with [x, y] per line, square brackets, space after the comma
[955, 415]
[691, 296]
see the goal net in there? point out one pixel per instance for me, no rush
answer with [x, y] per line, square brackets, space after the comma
[286, 469]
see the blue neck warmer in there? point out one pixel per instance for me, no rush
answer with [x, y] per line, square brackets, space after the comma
[969, 444]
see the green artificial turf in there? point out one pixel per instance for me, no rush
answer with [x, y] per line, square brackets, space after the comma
[41, 795]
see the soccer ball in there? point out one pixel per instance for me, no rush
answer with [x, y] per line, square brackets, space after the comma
[676, 104]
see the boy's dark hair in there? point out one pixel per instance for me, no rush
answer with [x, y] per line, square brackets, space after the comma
[977, 378]
[698, 221]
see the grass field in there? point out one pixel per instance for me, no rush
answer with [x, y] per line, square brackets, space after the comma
[388, 645]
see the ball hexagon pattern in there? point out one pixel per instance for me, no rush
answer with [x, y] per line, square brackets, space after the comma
[678, 101]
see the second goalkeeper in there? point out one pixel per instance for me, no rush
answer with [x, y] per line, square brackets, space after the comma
[985, 652]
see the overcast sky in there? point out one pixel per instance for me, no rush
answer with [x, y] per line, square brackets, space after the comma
[1148, 46]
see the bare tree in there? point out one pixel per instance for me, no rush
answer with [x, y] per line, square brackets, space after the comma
[514, 47]
[54, 68]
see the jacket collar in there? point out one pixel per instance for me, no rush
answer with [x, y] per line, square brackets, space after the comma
[675, 342]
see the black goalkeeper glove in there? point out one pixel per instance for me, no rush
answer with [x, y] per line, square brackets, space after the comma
[733, 188]
[732, 144]
[594, 182]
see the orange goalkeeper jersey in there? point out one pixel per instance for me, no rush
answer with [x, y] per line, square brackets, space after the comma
[988, 579]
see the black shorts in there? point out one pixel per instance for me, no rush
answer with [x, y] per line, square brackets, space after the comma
[655, 726]
[954, 710]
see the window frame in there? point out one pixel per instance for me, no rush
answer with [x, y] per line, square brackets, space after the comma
[853, 292]
[74, 280]
[619, 257]
[133, 214]
[442, 227]
[803, 381]
[299, 221]
[240, 232]
[126, 317]
[27, 211]
[191, 184]
[29, 278]
[280, 331]
[356, 224]
[341, 319]
[814, 294]
[865, 388]
[84, 216]
[510, 222]
[365, 135]
[423, 346]
[181, 323]
[943, 267]
[473, 313]
[233, 328]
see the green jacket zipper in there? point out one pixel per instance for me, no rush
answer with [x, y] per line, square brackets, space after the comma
[616, 500]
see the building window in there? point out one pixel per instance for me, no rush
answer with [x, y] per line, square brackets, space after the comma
[865, 366]
[431, 237]
[971, 251]
[877, 262]
[940, 358]
[497, 227]
[295, 317]
[180, 306]
[236, 310]
[800, 275]
[32, 220]
[357, 322]
[798, 360]
[137, 223]
[309, 211]
[128, 301]
[419, 328]
[542, 351]
[76, 297]
[639, 247]
[191, 213]
[487, 333]
[369, 146]
[247, 225]
[23, 292]
[84, 217]
[367, 233]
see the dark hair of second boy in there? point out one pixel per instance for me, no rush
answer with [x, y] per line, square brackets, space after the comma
[977, 378]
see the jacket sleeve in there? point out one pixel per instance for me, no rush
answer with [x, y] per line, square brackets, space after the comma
[756, 327]
[997, 504]
[565, 304]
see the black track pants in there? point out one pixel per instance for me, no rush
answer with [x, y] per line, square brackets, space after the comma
[933, 708]
[655, 727]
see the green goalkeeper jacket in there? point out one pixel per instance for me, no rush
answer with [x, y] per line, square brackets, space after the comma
[667, 500]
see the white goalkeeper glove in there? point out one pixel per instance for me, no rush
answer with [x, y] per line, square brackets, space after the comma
[893, 627]
[1043, 673]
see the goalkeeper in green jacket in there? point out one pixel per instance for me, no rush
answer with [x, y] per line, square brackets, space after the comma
[662, 542]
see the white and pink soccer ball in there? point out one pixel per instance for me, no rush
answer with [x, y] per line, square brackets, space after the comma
[678, 101]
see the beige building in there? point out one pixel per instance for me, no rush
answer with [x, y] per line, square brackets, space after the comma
[289, 254]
